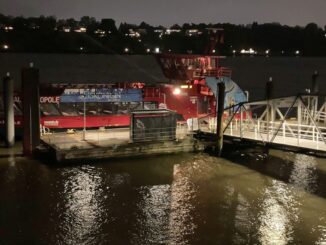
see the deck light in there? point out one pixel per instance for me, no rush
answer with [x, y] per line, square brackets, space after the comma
[157, 50]
[5, 46]
[176, 91]
[148, 50]
[126, 50]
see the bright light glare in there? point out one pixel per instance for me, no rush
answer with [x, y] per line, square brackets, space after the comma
[248, 51]
[176, 91]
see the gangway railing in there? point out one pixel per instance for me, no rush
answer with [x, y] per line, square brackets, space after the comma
[286, 121]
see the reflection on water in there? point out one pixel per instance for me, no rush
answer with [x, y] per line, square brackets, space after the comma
[304, 173]
[81, 213]
[152, 220]
[177, 199]
[182, 207]
[278, 213]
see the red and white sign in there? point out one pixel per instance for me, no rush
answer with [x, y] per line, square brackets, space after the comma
[50, 99]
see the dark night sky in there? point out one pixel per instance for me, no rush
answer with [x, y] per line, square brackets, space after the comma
[168, 12]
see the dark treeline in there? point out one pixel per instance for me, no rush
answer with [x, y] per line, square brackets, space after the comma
[88, 35]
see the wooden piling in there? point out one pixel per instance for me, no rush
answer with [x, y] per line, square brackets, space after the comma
[314, 84]
[220, 111]
[8, 102]
[269, 94]
[31, 112]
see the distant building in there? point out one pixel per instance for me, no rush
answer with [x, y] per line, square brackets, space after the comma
[80, 29]
[169, 31]
[6, 28]
[100, 32]
[133, 33]
[193, 32]
[33, 26]
[141, 31]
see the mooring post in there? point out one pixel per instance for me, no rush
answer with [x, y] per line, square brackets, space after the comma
[314, 84]
[220, 111]
[31, 113]
[8, 102]
[269, 92]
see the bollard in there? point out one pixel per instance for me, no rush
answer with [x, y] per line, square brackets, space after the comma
[314, 84]
[31, 112]
[269, 88]
[8, 102]
[220, 111]
[269, 94]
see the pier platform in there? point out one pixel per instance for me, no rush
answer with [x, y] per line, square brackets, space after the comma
[114, 143]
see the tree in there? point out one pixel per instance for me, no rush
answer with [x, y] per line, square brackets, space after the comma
[47, 23]
[108, 25]
[86, 21]
[72, 23]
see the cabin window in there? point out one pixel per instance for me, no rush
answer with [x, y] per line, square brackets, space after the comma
[150, 105]
[109, 108]
[68, 109]
[124, 108]
[49, 109]
[133, 106]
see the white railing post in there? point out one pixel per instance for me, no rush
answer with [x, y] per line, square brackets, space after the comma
[255, 132]
[313, 133]
[284, 132]
[299, 119]
[231, 128]
[241, 119]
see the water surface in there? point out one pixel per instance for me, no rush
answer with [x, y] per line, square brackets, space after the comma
[245, 198]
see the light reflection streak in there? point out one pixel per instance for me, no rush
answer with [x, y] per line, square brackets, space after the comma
[242, 221]
[81, 209]
[182, 194]
[322, 230]
[275, 217]
[154, 209]
[304, 174]
[281, 204]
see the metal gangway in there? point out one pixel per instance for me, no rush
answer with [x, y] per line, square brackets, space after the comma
[296, 121]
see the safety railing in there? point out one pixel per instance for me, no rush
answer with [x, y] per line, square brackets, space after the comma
[213, 72]
[239, 121]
